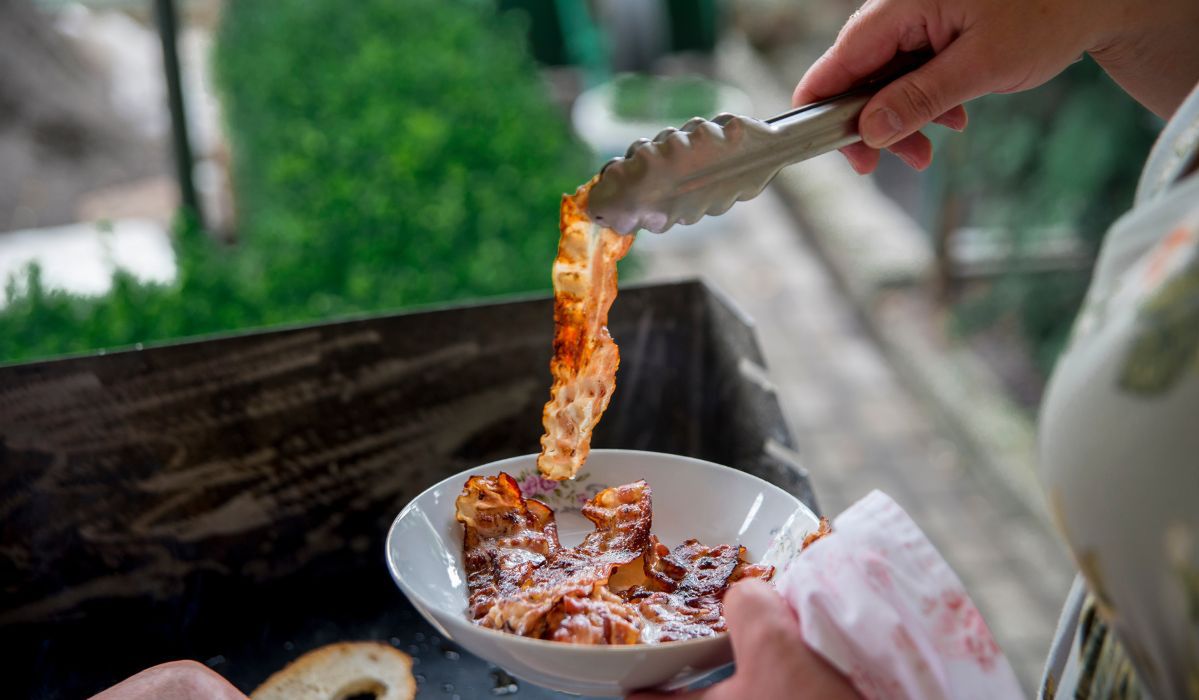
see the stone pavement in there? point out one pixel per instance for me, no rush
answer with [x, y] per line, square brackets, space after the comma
[858, 428]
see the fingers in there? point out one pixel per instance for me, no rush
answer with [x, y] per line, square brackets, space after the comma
[915, 150]
[869, 40]
[935, 90]
[720, 691]
[955, 119]
[861, 157]
[759, 619]
[867, 43]
[753, 599]
[760, 623]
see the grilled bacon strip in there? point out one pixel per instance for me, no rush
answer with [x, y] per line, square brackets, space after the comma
[820, 533]
[506, 538]
[585, 356]
[566, 599]
[682, 597]
[619, 586]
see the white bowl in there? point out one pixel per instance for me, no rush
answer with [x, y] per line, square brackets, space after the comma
[610, 135]
[691, 498]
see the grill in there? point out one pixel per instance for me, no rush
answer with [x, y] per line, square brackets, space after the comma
[226, 499]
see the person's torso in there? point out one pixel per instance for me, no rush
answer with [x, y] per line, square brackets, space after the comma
[1120, 435]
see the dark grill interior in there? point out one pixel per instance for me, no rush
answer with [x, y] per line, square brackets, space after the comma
[226, 499]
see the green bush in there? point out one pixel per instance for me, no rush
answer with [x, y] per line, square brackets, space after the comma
[1067, 155]
[385, 154]
[39, 322]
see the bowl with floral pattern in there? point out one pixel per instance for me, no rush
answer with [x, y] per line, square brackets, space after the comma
[691, 499]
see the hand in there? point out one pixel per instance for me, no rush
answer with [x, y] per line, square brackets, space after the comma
[997, 46]
[773, 661]
[177, 680]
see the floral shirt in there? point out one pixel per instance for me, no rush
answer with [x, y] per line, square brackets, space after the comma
[1120, 447]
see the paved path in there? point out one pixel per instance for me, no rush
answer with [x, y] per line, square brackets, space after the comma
[859, 429]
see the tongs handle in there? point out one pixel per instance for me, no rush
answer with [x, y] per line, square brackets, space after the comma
[832, 123]
[704, 167]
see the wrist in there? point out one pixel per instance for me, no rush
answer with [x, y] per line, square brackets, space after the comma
[1113, 24]
[1149, 50]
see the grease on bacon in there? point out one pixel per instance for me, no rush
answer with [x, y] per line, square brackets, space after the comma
[619, 586]
[505, 538]
[585, 356]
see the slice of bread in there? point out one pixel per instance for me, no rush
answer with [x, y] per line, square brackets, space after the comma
[343, 670]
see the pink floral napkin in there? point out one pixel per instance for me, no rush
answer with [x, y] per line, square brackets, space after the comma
[877, 600]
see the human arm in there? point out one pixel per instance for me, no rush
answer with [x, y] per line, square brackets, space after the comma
[997, 46]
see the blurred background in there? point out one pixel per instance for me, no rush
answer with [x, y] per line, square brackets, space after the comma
[170, 168]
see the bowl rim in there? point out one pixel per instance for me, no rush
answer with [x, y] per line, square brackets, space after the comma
[423, 605]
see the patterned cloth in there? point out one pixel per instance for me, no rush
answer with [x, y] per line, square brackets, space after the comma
[877, 600]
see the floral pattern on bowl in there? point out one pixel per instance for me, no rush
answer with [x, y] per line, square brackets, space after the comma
[562, 496]
[786, 542]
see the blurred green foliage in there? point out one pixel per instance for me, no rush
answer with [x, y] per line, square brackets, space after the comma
[1065, 156]
[652, 98]
[207, 296]
[385, 154]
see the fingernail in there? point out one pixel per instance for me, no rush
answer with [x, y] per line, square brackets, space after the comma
[880, 127]
[911, 163]
[853, 162]
[951, 123]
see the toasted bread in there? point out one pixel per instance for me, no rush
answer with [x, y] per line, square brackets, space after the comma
[340, 671]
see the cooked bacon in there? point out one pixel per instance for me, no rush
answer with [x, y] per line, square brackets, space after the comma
[622, 516]
[646, 573]
[683, 597]
[600, 618]
[821, 531]
[619, 586]
[747, 569]
[705, 570]
[585, 357]
[566, 598]
[506, 538]
[669, 617]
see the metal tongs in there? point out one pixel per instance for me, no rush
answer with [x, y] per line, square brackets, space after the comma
[706, 166]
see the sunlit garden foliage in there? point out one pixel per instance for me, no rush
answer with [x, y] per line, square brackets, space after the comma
[386, 154]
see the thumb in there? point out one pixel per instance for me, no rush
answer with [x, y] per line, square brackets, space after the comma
[759, 620]
[912, 101]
